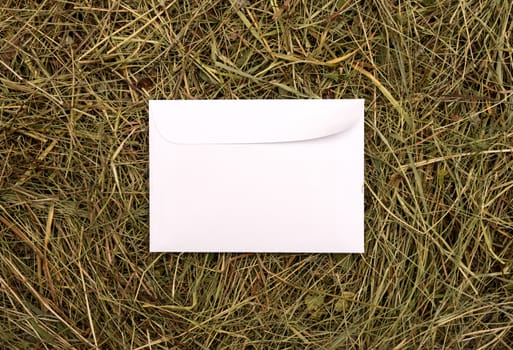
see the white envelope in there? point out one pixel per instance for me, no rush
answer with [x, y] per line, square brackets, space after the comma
[256, 175]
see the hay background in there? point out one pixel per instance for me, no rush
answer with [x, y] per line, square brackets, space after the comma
[75, 80]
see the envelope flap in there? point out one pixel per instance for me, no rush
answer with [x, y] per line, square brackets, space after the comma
[252, 121]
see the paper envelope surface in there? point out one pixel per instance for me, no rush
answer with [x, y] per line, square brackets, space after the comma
[256, 175]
